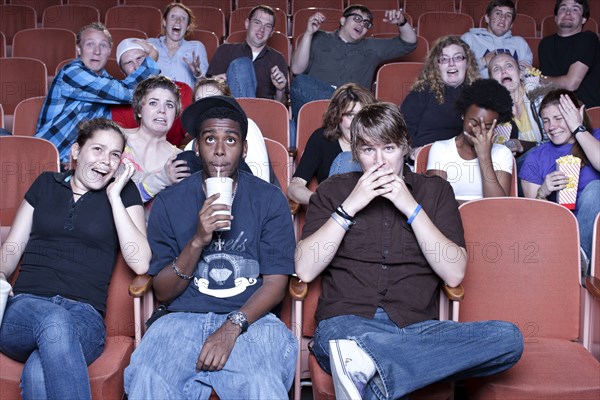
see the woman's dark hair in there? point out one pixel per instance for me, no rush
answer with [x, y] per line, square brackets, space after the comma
[191, 18]
[553, 99]
[86, 129]
[488, 94]
[145, 86]
[343, 98]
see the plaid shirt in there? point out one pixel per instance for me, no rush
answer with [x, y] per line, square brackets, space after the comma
[78, 94]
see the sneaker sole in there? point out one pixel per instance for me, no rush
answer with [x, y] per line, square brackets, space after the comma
[343, 385]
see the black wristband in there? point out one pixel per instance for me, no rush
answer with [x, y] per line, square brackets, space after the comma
[342, 213]
[403, 23]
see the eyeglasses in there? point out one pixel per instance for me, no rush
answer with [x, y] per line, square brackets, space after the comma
[360, 20]
[457, 58]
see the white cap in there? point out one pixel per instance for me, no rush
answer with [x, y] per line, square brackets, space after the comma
[126, 45]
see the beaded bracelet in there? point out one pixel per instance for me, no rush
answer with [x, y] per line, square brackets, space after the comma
[414, 214]
[179, 273]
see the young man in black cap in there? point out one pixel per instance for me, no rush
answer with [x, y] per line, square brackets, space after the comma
[219, 285]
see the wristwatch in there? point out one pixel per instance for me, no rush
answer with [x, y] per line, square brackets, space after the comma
[580, 128]
[238, 318]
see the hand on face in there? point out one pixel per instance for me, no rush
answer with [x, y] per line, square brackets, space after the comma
[572, 115]
[400, 196]
[121, 177]
[481, 137]
[374, 182]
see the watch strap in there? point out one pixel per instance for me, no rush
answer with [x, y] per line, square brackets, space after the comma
[580, 128]
[239, 318]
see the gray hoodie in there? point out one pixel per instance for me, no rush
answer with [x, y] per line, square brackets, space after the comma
[481, 41]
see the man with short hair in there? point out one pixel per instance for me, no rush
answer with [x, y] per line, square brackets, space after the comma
[384, 241]
[571, 57]
[131, 53]
[497, 37]
[220, 276]
[83, 89]
[323, 61]
[251, 68]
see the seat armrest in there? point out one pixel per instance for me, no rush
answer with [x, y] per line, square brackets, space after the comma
[292, 152]
[297, 288]
[454, 293]
[592, 285]
[140, 285]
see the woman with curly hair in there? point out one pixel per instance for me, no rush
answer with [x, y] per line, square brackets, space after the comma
[474, 165]
[327, 142]
[429, 108]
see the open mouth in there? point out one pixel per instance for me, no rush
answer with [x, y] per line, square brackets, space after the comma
[176, 30]
[507, 79]
[160, 121]
[99, 173]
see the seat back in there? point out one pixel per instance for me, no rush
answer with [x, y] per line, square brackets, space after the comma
[2, 45]
[271, 116]
[49, 45]
[145, 18]
[394, 80]
[383, 27]
[101, 5]
[533, 43]
[278, 41]
[297, 5]
[113, 69]
[70, 16]
[310, 118]
[223, 5]
[118, 34]
[280, 162]
[281, 4]
[237, 20]
[594, 114]
[23, 160]
[210, 41]
[160, 4]
[38, 5]
[421, 159]
[21, 78]
[415, 8]
[538, 9]
[300, 19]
[14, 18]
[432, 25]
[26, 116]
[523, 266]
[379, 4]
[594, 317]
[210, 19]
[474, 8]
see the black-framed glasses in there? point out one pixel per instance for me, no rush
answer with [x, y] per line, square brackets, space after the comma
[457, 58]
[360, 20]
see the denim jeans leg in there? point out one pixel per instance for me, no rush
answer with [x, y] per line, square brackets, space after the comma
[57, 339]
[305, 89]
[417, 355]
[261, 364]
[588, 206]
[241, 78]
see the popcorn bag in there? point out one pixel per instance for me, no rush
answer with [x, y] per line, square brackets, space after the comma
[502, 133]
[570, 166]
[531, 79]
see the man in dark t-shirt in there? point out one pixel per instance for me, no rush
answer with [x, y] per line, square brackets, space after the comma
[571, 58]
[387, 238]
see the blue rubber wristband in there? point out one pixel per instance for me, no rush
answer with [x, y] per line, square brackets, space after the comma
[414, 214]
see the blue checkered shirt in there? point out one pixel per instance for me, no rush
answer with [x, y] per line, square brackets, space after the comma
[78, 94]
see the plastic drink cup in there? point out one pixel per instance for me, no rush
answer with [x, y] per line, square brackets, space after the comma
[223, 186]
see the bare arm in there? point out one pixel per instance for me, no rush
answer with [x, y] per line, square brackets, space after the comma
[572, 79]
[130, 224]
[13, 247]
[301, 55]
[298, 191]
[407, 33]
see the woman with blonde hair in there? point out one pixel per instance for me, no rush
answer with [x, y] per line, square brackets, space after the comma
[429, 108]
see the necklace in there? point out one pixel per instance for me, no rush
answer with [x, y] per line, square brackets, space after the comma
[78, 194]
[219, 241]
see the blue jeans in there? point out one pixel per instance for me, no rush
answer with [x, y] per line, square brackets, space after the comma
[588, 206]
[260, 366]
[57, 339]
[419, 354]
[305, 89]
[241, 78]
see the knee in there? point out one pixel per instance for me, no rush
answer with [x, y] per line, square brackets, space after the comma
[590, 194]
[240, 64]
[508, 339]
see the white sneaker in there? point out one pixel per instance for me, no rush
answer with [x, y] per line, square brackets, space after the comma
[351, 369]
